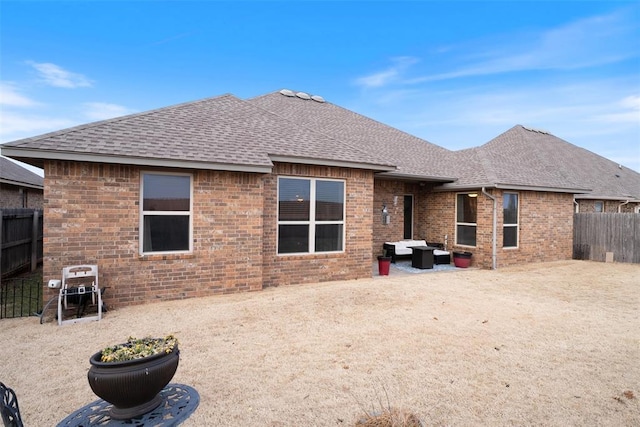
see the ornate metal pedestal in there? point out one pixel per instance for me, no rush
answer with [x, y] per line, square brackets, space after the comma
[178, 402]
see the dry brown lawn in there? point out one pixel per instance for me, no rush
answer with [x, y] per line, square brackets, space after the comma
[551, 344]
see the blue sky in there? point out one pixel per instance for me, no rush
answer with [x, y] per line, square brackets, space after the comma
[454, 73]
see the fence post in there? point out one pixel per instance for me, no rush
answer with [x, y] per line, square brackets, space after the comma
[34, 241]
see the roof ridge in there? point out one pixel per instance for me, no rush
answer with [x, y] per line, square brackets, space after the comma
[311, 129]
[361, 116]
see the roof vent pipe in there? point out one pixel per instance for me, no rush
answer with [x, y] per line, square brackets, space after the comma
[494, 247]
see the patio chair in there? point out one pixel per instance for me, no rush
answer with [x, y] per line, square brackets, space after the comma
[10, 409]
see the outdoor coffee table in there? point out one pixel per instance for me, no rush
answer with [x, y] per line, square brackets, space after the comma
[422, 257]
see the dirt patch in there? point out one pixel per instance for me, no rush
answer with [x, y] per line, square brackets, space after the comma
[543, 344]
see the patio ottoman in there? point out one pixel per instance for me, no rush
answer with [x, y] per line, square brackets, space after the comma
[441, 257]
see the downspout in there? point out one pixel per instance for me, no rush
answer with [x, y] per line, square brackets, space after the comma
[575, 205]
[621, 205]
[494, 248]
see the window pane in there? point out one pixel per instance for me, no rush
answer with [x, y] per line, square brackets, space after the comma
[166, 192]
[293, 199]
[599, 206]
[467, 208]
[164, 233]
[510, 208]
[466, 235]
[509, 237]
[328, 237]
[329, 200]
[293, 239]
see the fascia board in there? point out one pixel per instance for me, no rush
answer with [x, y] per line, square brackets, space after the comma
[325, 162]
[139, 161]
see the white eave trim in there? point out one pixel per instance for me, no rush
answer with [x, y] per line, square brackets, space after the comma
[417, 178]
[587, 196]
[454, 187]
[139, 161]
[21, 184]
[325, 162]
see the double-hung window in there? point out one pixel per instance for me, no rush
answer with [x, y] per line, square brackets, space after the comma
[311, 215]
[466, 217]
[510, 220]
[165, 223]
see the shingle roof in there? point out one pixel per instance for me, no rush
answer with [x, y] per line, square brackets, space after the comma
[211, 133]
[413, 156]
[14, 174]
[232, 134]
[531, 158]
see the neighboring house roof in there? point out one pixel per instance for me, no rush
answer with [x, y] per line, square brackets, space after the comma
[224, 133]
[14, 174]
[415, 158]
[524, 158]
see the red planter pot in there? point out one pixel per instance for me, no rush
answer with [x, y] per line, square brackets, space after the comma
[462, 259]
[384, 263]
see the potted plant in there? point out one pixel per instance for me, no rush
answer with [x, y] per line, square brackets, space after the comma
[462, 259]
[131, 375]
[384, 263]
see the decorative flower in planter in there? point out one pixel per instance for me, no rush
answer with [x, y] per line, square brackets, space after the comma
[136, 348]
[131, 375]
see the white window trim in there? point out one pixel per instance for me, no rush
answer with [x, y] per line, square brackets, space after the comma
[312, 215]
[517, 225]
[474, 224]
[143, 213]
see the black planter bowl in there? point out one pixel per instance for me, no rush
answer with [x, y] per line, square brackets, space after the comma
[132, 386]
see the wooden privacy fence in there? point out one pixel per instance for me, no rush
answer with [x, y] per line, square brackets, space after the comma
[607, 237]
[20, 240]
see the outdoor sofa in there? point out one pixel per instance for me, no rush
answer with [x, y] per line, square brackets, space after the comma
[402, 249]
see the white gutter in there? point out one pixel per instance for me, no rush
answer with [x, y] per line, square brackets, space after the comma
[494, 248]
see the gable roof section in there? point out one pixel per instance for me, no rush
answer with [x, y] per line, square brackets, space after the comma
[523, 158]
[14, 174]
[223, 133]
[415, 158]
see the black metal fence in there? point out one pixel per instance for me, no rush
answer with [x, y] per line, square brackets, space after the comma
[20, 240]
[20, 297]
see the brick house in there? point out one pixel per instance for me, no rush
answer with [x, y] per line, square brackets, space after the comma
[225, 195]
[19, 187]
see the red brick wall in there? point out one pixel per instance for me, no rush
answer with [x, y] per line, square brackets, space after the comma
[11, 197]
[610, 206]
[384, 193]
[92, 216]
[545, 233]
[354, 263]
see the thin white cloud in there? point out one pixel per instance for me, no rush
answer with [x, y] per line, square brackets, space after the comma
[103, 111]
[57, 76]
[11, 96]
[628, 111]
[383, 78]
[589, 42]
[601, 115]
[17, 125]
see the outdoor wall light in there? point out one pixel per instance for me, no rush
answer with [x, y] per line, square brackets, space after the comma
[386, 219]
[472, 194]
